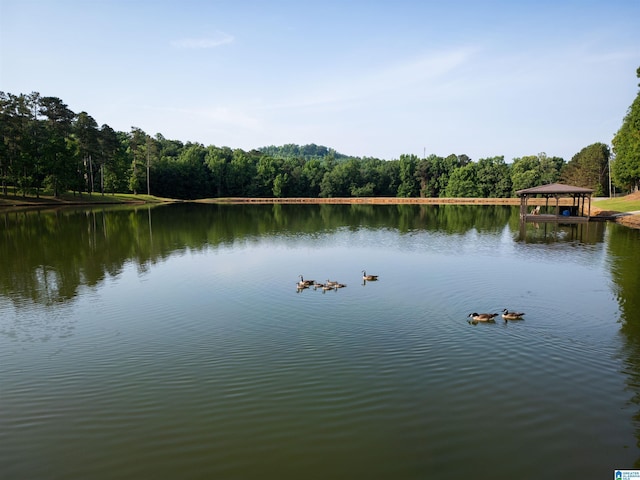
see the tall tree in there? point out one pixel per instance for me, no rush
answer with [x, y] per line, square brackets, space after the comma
[5, 122]
[550, 168]
[15, 119]
[86, 132]
[218, 161]
[532, 171]
[110, 148]
[59, 163]
[625, 168]
[193, 176]
[341, 180]
[137, 153]
[589, 168]
[409, 186]
[463, 182]
[151, 151]
[434, 176]
[493, 178]
[266, 170]
[313, 171]
[241, 173]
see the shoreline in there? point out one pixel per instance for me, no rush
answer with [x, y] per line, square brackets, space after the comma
[20, 203]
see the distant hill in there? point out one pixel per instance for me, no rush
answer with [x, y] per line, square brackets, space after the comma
[307, 152]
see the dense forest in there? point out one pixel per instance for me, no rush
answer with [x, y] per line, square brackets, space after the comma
[47, 148]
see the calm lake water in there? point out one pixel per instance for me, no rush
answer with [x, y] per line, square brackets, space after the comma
[171, 342]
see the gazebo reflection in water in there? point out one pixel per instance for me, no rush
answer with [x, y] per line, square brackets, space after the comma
[558, 212]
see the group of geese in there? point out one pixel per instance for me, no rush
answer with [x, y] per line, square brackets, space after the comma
[489, 317]
[329, 284]
[475, 317]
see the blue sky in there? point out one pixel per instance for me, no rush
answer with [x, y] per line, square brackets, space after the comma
[367, 78]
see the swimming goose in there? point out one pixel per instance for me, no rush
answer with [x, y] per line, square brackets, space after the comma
[305, 283]
[369, 278]
[482, 317]
[507, 315]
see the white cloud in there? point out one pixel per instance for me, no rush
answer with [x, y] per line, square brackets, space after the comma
[414, 76]
[201, 43]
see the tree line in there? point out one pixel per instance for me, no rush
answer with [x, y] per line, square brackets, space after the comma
[46, 147]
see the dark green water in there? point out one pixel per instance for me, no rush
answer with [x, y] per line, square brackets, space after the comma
[171, 343]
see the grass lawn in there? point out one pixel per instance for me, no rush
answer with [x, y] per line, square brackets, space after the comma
[630, 203]
[84, 199]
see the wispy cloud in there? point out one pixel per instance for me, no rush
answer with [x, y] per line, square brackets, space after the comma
[414, 76]
[202, 43]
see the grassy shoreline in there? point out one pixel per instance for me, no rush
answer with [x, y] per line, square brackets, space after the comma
[599, 206]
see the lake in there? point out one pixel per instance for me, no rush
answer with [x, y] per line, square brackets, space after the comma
[172, 342]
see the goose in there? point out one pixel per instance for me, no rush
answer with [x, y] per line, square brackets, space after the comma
[369, 278]
[305, 283]
[507, 315]
[482, 317]
[331, 282]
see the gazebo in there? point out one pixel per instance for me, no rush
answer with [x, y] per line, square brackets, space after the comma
[575, 211]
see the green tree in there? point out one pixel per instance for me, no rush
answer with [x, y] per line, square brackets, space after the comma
[152, 150]
[408, 183]
[313, 171]
[389, 174]
[117, 168]
[22, 142]
[136, 150]
[86, 132]
[5, 122]
[59, 163]
[463, 182]
[279, 184]
[525, 173]
[342, 180]
[426, 173]
[625, 168]
[532, 171]
[218, 161]
[266, 170]
[111, 150]
[589, 168]
[433, 173]
[241, 173]
[493, 178]
[372, 178]
[550, 168]
[194, 176]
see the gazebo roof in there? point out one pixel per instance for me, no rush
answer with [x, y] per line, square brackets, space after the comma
[555, 189]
